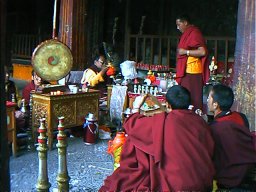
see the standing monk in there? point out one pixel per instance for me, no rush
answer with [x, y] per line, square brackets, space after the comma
[192, 69]
[166, 152]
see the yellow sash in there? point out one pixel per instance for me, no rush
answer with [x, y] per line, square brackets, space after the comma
[194, 65]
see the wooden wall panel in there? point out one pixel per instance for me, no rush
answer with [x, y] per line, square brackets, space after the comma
[72, 30]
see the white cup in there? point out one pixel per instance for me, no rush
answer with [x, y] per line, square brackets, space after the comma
[71, 87]
[75, 89]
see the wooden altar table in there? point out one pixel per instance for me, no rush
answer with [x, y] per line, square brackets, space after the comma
[72, 106]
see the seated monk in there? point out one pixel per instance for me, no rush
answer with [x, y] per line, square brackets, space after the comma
[10, 87]
[95, 76]
[166, 152]
[234, 154]
[12, 95]
[35, 84]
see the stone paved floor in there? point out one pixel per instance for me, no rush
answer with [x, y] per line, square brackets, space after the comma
[88, 166]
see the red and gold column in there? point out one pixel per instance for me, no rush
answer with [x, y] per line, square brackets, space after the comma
[62, 178]
[42, 180]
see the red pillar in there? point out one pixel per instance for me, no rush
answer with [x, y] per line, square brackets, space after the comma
[244, 84]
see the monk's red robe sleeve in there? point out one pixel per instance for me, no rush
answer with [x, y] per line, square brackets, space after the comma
[139, 129]
[145, 132]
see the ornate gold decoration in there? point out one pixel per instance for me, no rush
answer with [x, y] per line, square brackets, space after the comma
[84, 109]
[65, 109]
[74, 107]
[39, 111]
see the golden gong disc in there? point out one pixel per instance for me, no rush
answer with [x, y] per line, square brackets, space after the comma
[52, 60]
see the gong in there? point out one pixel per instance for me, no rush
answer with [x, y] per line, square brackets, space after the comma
[52, 60]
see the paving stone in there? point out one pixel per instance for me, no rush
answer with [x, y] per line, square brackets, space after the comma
[88, 166]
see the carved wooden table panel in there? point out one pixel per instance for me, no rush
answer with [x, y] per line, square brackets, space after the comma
[11, 127]
[73, 106]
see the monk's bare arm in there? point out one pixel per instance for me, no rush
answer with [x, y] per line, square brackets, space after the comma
[199, 52]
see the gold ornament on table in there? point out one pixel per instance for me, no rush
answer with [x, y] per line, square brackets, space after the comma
[151, 76]
[214, 77]
[213, 66]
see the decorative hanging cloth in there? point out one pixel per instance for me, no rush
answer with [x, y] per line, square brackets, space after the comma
[117, 101]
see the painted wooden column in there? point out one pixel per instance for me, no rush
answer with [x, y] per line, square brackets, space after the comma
[72, 27]
[244, 68]
[4, 150]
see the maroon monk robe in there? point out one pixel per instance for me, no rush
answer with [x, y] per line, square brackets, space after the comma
[166, 152]
[194, 83]
[191, 39]
[26, 91]
[234, 152]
